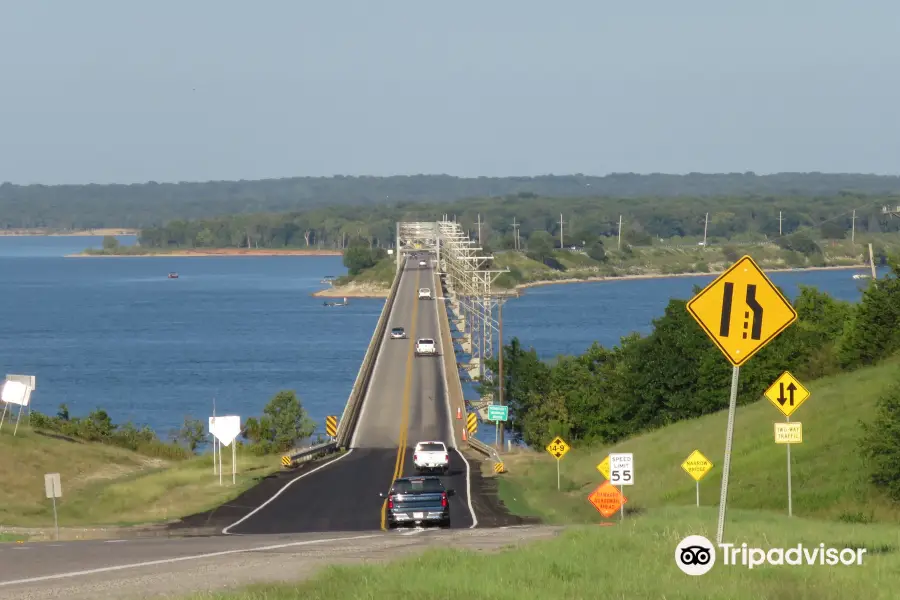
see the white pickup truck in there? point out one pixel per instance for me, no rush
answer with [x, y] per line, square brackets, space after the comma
[431, 456]
[426, 347]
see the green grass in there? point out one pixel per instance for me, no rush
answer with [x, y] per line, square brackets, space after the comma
[105, 485]
[634, 559]
[829, 476]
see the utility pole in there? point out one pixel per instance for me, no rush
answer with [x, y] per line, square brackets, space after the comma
[779, 223]
[853, 229]
[705, 227]
[479, 229]
[562, 245]
[620, 233]
[515, 233]
[500, 369]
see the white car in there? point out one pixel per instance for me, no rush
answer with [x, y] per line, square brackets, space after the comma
[431, 456]
[424, 294]
[422, 264]
[398, 333]
[426, 347]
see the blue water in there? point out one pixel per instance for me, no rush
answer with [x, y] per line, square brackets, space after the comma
[117, 333]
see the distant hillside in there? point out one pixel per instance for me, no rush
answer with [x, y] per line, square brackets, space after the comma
[148, 204]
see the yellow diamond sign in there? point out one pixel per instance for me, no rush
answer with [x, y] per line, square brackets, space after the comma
[742, 311]
[696, 465]
[558, 448]
[787, 394]
[603, 467]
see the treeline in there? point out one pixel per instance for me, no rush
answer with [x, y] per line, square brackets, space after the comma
[283, 423]
[508, 223]
[676, 373]
[152, 204]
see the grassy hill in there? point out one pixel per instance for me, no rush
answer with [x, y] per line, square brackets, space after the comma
[105, 485]
[829, 477]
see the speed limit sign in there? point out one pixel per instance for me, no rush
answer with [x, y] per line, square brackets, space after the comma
[621, 469]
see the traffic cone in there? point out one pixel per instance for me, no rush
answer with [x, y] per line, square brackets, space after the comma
[464, 434]
[458, 413]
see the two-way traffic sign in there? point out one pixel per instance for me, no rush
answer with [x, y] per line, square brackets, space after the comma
[787, 394]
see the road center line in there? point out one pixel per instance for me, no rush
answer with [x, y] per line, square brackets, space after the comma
[404, 411]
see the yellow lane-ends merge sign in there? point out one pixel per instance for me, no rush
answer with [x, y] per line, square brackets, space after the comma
[742, 311]
[603, 467]
[558, 448]
[787, 394]
[789, 433]
[696, 465]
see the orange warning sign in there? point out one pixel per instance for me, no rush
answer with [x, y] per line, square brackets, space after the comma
[607, 499]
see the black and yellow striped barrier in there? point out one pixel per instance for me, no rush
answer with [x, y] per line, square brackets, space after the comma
[471, 423]
[499, 468]
[331, 425]
[286, 461]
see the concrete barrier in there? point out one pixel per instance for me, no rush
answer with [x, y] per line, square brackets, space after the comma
[351, 410]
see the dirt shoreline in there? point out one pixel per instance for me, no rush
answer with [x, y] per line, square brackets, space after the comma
[373, 291]
[75, 233]
[216, 252]
[672, 275]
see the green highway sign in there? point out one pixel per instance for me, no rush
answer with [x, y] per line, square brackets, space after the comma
[498, 413]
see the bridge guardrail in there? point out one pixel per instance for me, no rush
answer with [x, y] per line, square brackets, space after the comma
[351, 410]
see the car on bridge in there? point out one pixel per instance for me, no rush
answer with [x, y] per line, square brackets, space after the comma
[424, 294]
[426, 347]
[431, 457]
[418, 501]
[422, 264]
[398, 333]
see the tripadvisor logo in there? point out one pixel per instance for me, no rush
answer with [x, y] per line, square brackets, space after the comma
[696, 555]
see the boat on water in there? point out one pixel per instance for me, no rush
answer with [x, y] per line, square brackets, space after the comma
[329, 279]
[862, 276]
[344, 303]
[173, 275]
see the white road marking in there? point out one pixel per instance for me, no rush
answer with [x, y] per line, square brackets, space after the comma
[413, 531]
[279, 492]
[114, 541]
[166, 561]
[450, 417]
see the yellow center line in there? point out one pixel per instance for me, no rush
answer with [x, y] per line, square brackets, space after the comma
[404, 411]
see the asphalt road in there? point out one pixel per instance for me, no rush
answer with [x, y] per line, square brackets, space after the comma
[406, 403]
[126, 569]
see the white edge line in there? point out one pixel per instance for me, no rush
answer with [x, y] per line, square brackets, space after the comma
[166, 561]
[279, 492]
[450, 410]
[365, 400]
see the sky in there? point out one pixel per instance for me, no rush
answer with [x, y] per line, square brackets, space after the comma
[128, 92]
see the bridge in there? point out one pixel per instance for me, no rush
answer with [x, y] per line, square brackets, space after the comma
[399, 399]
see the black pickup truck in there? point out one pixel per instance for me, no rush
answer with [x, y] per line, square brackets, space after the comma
[418, 501]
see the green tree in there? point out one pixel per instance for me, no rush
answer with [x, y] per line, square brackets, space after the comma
[880, 443]
[283, 422]
[832, 230]
[359, 256]
[874, 333]
[110, 242]
[191, 434]
[596, 251]
[540, 246]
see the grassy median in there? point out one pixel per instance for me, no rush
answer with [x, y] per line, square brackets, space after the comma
[105, 485]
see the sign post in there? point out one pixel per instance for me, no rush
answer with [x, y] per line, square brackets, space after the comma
[741, 311]
[558, 448]
[787, 394]
[226, 429]
[697, 466]
[53, 489]
[621, 473]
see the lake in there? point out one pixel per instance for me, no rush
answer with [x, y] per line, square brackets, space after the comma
[117, 334]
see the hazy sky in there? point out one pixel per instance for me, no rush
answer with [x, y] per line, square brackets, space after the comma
[126, 92]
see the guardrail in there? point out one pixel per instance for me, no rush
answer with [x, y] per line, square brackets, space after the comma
[483, 448]
[351, 410]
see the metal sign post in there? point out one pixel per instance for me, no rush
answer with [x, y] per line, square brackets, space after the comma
[53, 490]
